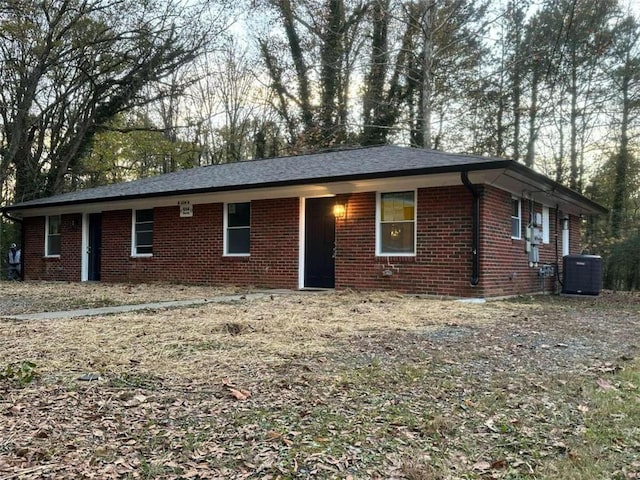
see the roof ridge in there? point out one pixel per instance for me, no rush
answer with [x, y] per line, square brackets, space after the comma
[337, 149]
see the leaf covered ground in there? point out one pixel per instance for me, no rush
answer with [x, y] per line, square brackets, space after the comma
[319, 385]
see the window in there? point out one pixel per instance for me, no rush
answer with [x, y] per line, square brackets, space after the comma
[516, 215]
[237, 228]
[142, 232]
[396, 226]
[545, 225]
[52, 241]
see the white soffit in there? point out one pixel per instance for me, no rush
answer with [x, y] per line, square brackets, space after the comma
[528, 188]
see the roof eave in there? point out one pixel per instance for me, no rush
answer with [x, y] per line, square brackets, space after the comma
[583, 203]
[589, 206]
[498, 164]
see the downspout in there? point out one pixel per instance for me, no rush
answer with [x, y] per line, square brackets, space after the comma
[475, 238]
[17, 220]
[558, 224]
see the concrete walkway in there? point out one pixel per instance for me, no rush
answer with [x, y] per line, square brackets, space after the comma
[143, 306]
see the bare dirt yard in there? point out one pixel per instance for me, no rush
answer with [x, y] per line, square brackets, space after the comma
[345, 385]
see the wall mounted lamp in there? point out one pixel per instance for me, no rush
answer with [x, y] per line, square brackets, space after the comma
[340, 210]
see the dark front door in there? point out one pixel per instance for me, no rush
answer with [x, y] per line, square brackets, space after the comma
[320, 239]
[95, 245]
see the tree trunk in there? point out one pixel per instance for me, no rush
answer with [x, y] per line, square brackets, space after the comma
[295, 48]
[372, 102]
[331, 57]
[427, 66]
[573, 152]
[622, 162]
[533, 116]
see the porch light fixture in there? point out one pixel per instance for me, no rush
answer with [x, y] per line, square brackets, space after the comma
[340, 210]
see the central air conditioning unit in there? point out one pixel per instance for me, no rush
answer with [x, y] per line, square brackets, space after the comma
[582, 274]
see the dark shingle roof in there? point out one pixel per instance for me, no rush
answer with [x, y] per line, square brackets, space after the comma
[359, 163]
[325, 167]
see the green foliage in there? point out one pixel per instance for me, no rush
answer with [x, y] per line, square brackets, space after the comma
[622, 263]
[69, 68]
[621, 253]
[23, 372]
[129, 148]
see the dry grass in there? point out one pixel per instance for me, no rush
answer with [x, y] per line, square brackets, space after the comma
[32, 297]
[342, 385]
[218, 338]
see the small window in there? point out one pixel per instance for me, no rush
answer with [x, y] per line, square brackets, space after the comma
[516, 215]
[396, 227]
[238, 228]
[52, 241]
[142, 232]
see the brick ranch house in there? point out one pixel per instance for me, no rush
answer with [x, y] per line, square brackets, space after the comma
[386, 217]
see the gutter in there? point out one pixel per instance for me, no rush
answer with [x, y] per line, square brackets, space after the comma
[475, 238]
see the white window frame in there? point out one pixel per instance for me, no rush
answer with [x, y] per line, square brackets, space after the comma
[379, 252]
[545, 225]
[134, 246]
[519, 217]
[226, 228]
[46, 236]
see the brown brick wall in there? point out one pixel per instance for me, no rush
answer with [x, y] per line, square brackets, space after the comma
[186, 250]
[190, 250]
[66, 267]
[504, 263]
[442, 265]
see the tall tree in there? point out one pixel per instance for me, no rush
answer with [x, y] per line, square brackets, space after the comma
[385, 80]
[572, 38]
[69, 66]
[440, 72]
[625, 75]
[321, 40]
[496, 96]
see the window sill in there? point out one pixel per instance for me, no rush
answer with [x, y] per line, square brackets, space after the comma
[396, 258]
[236, 258]
[51, 257]
[146, 255]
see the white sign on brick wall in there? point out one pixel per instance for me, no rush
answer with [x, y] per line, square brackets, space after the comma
[186, 209]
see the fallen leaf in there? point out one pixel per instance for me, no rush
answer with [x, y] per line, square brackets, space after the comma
[482, 466]
[490, 425]
[273, 435]
[239, 394]
[605, 384]
[499, 464]
[15, 409]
